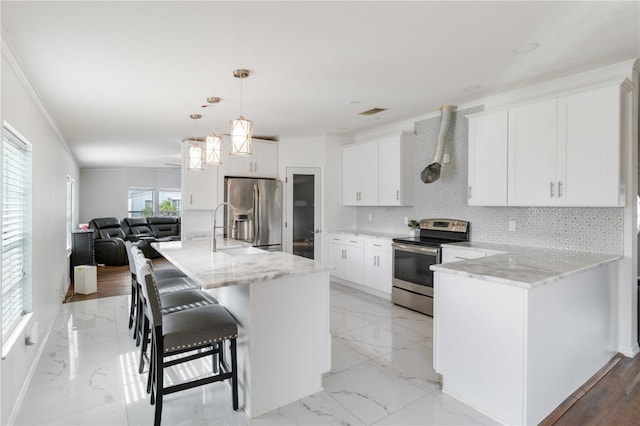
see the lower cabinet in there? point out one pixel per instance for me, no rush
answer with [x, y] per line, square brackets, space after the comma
[345, 255]
[377, 264]
[361, 260]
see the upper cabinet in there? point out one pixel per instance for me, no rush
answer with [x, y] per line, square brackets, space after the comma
[360, 174]
[488, 159]
[559, 152]
[379, 172]
[199, 187]
[263, 162]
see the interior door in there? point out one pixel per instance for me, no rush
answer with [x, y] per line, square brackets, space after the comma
[303, 224]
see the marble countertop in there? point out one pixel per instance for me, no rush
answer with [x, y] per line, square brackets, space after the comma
[371, 234]
[526, 267]
[220, 269]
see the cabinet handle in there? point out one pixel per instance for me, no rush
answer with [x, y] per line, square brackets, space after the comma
[255, 167]
[469, 194]
[191, 199]
[559, 189]
[377, 245]
[351, 241]
[397, 195]
[552, 192]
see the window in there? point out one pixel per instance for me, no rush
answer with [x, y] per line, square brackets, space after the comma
[170, 202]
[141, 202]
[70, 185]
[16, 230]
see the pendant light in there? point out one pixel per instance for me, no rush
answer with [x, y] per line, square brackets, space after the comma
[213, 144]
[194, 160]
[241, 128]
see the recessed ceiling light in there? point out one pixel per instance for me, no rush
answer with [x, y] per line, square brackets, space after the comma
[526, 48]
[472, 88]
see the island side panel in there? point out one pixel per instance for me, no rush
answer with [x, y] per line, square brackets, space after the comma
[479, 346]
[572, 335]
[284, 338]
[290, 339]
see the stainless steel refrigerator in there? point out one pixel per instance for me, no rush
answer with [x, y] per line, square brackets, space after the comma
[258, 216]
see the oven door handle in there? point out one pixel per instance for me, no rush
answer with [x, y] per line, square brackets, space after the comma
[416, 249]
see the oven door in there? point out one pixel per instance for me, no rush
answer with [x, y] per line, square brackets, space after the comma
[411, 265]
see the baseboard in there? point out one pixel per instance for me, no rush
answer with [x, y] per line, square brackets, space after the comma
[629, 352]
[25, 385]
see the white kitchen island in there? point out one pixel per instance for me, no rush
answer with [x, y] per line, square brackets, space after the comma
[516, 333]
[281, 304]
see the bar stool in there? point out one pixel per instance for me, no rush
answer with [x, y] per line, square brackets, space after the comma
[194, 333]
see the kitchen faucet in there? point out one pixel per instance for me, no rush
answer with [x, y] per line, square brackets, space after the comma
[213, 226]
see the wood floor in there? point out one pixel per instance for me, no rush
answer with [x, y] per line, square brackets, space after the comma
[112, 281]
[609, 398]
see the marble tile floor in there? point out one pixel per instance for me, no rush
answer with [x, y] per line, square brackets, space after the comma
[381, 374]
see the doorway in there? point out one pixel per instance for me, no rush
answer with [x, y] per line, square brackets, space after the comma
[303, 225]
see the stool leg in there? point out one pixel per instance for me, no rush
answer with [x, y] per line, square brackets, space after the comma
[132, 310]
[145, 339]
[158, 377]
[234, 374]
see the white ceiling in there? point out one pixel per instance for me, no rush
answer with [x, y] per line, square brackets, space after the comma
[121, 78]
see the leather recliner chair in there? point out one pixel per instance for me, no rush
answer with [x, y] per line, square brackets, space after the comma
[108, 241]
[137, 231]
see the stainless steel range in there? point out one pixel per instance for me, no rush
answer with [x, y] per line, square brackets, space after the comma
[413, 256]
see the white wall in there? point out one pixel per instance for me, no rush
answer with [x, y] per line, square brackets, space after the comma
[51, 162]
[104, 192]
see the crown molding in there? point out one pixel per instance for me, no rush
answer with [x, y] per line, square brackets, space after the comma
[13, 62]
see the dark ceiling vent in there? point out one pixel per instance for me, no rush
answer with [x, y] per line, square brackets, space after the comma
[373, 111]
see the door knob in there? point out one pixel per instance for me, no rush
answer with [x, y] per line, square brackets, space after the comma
[317, 231]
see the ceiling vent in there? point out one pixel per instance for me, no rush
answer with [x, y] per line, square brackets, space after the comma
[373, 111]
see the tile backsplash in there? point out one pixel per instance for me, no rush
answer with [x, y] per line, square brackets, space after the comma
[583, 229]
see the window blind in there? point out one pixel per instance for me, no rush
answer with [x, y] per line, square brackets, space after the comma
[16, 221]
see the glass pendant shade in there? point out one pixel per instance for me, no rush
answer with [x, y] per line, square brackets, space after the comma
[241, 132]
[213, 150]
[195, 158]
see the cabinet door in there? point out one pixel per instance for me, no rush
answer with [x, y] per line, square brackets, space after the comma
[336, 259]
[488, 159]
[353, 264]
[390, 171]
[589, 148]
[532, 154]
[367, 170]
[265, 159]
[350, 175]
[236, 165]
[201, 187]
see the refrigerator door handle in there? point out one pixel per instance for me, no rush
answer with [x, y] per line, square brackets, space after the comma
[256, 213]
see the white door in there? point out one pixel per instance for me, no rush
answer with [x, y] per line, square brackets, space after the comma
[303, 223]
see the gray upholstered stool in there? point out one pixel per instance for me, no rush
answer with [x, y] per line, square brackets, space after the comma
[196, 333]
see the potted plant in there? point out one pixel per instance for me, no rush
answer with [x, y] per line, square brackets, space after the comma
[413, 227]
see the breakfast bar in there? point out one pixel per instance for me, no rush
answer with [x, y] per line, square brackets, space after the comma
[281, 304]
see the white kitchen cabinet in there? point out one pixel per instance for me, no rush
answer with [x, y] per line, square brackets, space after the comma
[566, 151]
[263, 162]
[379, 172]
[346, 255]
[360, 174]
[377, 264]
[396, 158]
[532, 154]
[199, 187]
[589, 148]
[488, 159]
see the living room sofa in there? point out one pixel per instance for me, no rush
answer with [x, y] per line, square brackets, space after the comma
[110, 233]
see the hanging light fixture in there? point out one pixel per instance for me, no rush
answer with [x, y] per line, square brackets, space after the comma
[213, 144]
[241, 128]
[194, 160]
